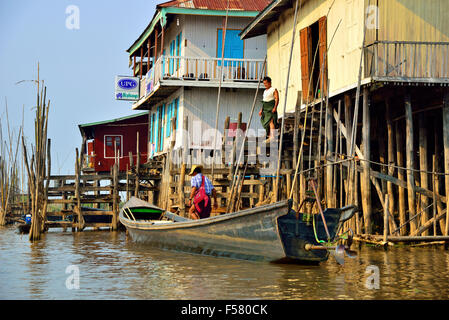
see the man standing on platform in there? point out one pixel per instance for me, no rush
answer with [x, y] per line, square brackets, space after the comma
[268, 114]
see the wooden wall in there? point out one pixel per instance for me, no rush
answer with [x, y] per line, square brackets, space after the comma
[344, 53]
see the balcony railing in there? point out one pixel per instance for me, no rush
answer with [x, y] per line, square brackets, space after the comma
[209, 69]
[408, 61]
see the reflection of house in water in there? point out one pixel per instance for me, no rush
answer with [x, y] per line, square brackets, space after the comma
[178, 57]
[403, 117]
[106, 142]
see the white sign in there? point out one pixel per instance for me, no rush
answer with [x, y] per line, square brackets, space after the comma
[127, 88]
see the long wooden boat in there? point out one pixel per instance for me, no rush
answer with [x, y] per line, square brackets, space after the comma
[272, 232]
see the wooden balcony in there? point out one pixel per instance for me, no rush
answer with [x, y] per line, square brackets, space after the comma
[169, 73]
[408, 61]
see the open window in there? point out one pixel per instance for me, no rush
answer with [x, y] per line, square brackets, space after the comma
[314, 76]
[113, 146]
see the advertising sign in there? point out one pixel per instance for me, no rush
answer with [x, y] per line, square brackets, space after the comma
[127, 88]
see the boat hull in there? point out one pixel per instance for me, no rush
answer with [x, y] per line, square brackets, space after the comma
[250, 234]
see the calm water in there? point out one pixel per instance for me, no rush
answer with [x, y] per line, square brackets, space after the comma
[112, 267]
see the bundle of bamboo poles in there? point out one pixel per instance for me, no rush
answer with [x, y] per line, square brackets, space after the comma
[38, 166]
[9, 175]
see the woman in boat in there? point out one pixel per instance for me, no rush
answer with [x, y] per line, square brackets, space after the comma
[268, 114]
[202, 189]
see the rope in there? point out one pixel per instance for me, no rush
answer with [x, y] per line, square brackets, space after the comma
[392, 166]
[314, 230]
[412, 218]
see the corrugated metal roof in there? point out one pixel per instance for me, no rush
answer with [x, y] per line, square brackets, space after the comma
[244, 5]
[260, 23]
[112, 120]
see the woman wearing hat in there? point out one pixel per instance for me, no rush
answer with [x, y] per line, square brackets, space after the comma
[202, 189]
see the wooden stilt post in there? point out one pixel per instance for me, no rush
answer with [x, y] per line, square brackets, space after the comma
[137, 180]
[390, 158]
[401, 177]
[348, 125]
[437, 140]
[77, 210]
[410, 162]
[182, 176]
[386, 214]
[115, 199]
[434, 189]
[365, 181]
[446, 149]
[423, 167]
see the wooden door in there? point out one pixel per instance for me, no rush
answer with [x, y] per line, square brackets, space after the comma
[305, 47]
[323, 55]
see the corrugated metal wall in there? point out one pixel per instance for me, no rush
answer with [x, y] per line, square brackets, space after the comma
[414, 20]
[200, 105]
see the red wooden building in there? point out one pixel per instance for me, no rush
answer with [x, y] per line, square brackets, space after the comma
[106, 142]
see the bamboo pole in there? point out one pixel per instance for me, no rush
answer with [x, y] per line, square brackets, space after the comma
[276, 185]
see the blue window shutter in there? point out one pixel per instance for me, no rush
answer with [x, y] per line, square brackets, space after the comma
[178, 49]
[161, 145]
[172, 53]
[156, 131]
[234, 46]
[168, 125]
[177, 113]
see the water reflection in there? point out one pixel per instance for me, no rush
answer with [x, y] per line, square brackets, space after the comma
[113, 267]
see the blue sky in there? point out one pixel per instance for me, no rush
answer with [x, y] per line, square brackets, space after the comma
[78, 66]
